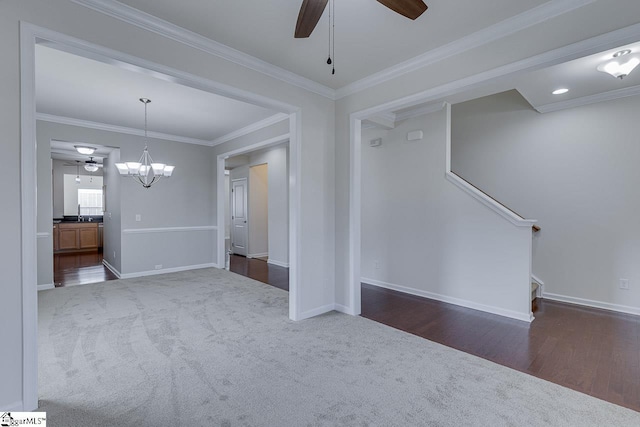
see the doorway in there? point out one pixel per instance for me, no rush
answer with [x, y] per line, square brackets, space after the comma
[256, 202]
[30, 36]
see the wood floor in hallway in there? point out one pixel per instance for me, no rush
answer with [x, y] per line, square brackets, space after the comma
[260, 270]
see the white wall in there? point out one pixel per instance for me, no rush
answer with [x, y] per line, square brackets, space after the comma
[258, 211]
[421, 234]
[575, 171]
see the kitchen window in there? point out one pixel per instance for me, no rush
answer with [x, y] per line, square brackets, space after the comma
[90, 201]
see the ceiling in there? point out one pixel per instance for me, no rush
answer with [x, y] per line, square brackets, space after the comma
[73, 86]
[586, 85]
[579, 76]
[367, 34]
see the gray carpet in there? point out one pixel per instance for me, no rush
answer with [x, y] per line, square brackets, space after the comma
[210, 348]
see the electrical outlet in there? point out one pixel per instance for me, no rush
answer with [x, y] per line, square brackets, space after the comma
[138, 217]
[624, 284]
[114, 255]
[376, 265]
[158, 266]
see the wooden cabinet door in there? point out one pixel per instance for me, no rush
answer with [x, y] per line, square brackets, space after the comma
[88, 238]
[67, 238]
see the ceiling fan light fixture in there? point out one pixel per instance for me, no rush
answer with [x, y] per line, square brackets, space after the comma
[622, 64]
[90, 168]
[83, 149]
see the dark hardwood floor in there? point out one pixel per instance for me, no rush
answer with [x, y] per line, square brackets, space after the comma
[593, 351]
[79, 269]
[260, 270]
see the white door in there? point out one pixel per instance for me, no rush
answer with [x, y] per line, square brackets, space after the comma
[239, 230]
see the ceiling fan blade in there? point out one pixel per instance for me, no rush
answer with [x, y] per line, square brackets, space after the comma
[412, 9]
[310, 13]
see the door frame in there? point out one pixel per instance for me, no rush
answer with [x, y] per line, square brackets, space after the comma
[294, 204]
[30, 35]
[246, 214]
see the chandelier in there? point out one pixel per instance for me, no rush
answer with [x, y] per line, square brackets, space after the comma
[145, 171]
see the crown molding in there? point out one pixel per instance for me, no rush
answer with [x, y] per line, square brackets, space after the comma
[420, 111]
[570, 52]
[119, 129]
[590, 99]
[164, 28]
[494, 32]
[276, 118]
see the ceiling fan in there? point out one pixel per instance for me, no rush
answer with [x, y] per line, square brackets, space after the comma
[311, 11]
[89, 165]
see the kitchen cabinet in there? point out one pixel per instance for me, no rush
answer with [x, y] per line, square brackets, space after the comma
[76, 236]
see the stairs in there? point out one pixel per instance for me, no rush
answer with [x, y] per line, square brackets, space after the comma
[534, 295]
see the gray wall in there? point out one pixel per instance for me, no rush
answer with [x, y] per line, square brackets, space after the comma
[576, 172]
[112, 239]
[421, 234]
[44, 211]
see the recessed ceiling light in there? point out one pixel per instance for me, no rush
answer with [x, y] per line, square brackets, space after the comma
[83, 149]
[560, 91]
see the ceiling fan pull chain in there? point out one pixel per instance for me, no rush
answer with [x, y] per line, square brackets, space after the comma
[333, 33]
[329, 58]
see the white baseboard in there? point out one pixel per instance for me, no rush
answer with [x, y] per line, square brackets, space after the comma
[344, 309]
[45, 287]
[258, 255]
[167, 270]
[12, 407]
[591, 303]
[111, 268]
[451, 300]
[278, 263]
[317, 311]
